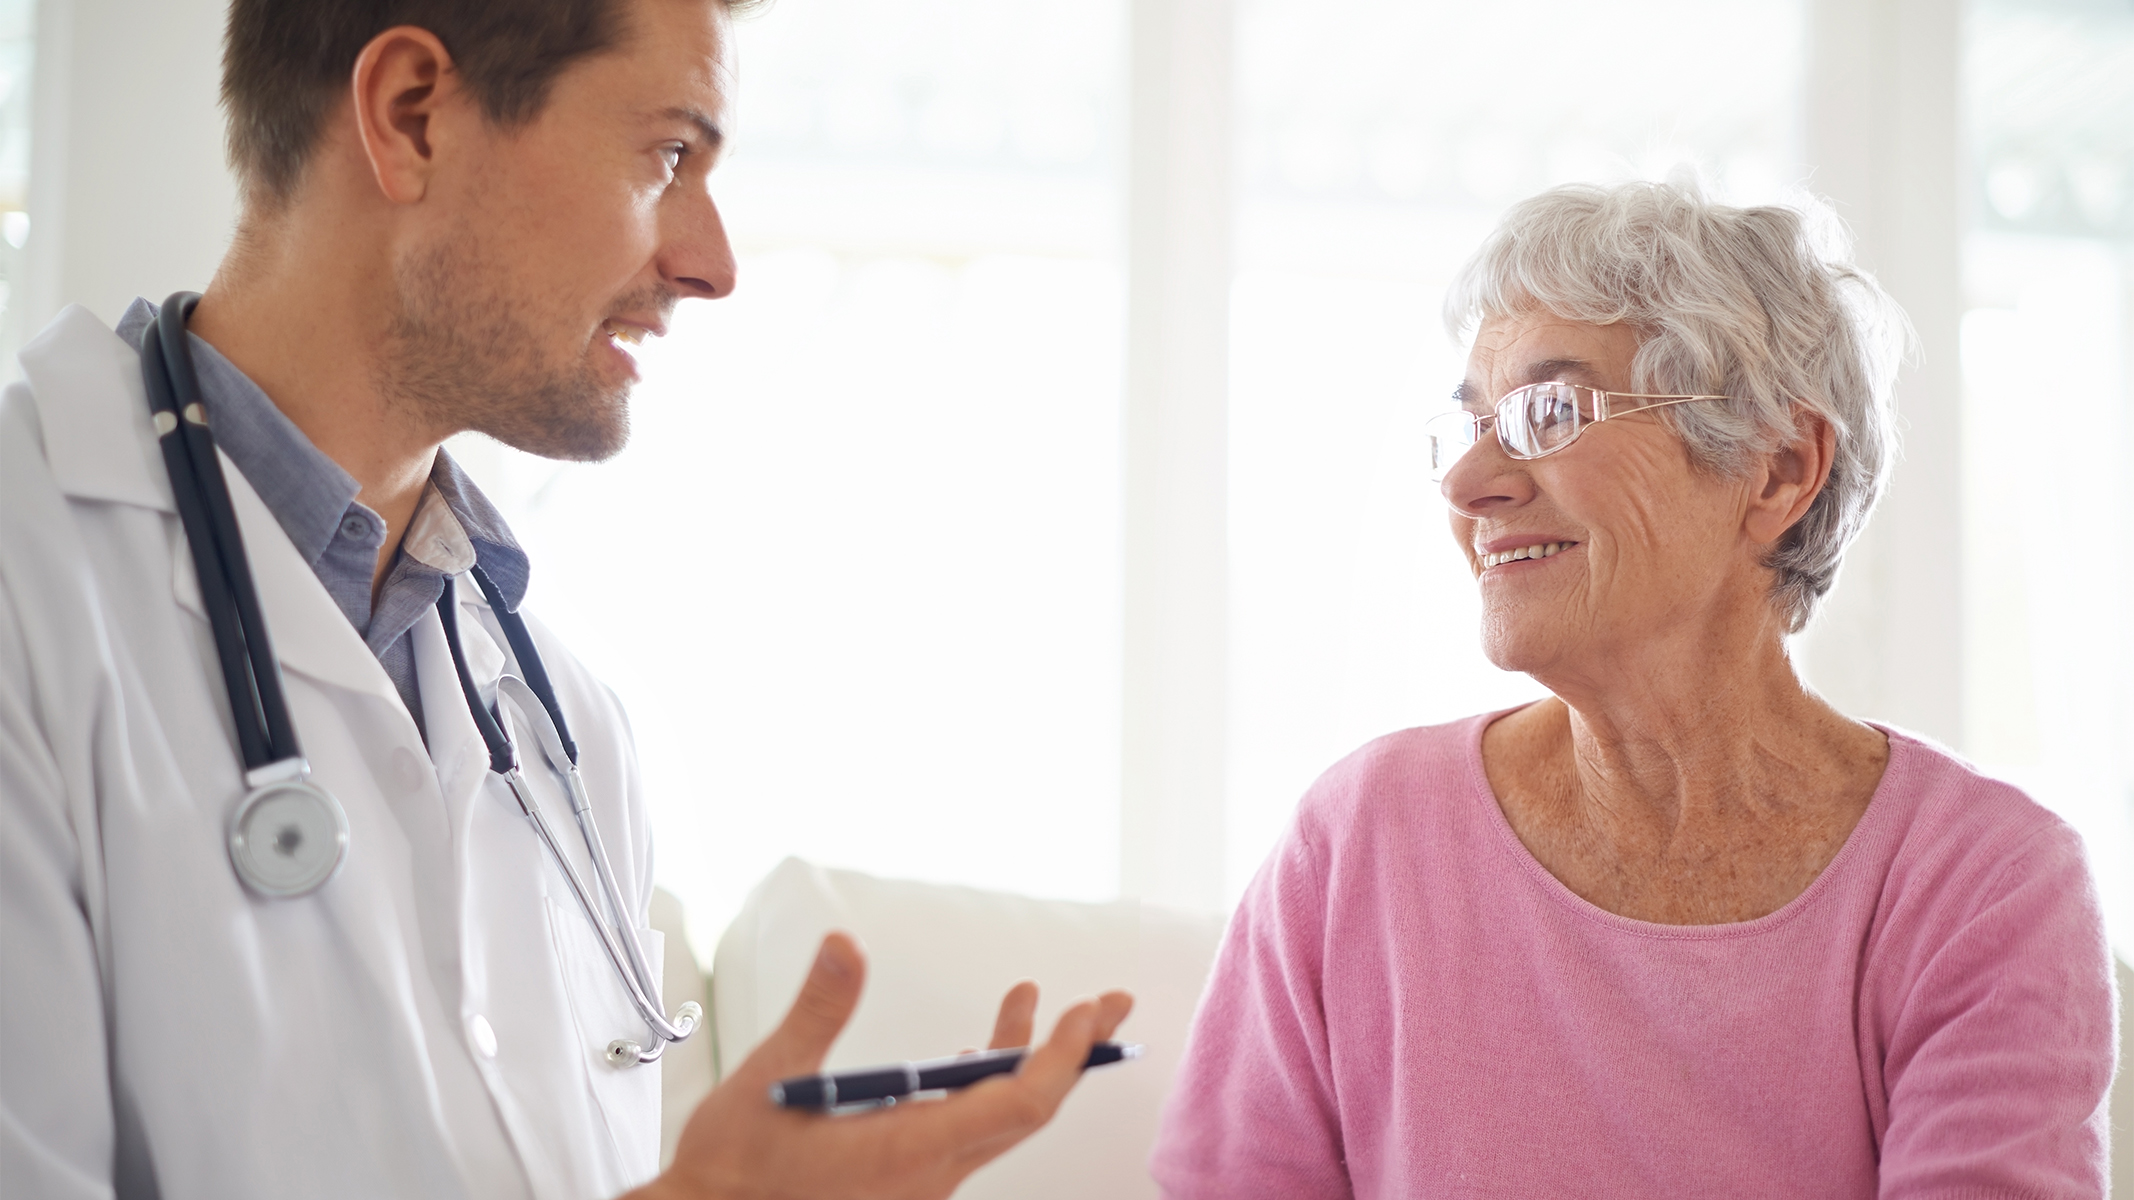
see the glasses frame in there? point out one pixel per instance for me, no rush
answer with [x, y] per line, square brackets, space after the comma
[1600, 400]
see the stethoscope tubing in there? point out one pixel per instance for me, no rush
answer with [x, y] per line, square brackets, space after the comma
[265, 733]
[625, 961]
[535, 696]
[647, 985]
[617, 939]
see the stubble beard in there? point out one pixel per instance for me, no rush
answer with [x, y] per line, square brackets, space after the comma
[460, 355]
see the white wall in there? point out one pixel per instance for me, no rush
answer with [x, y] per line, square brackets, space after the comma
[1881, 136]
[128, 193]
[1176, 679]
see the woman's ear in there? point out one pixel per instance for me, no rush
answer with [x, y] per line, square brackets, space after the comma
[401, 79]
[1789, 479]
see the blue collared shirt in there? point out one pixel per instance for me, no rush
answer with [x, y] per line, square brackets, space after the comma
[314, 500]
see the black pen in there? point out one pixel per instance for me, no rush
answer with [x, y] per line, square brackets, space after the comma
[880, 1084]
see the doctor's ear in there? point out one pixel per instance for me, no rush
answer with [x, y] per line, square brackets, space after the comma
[403, 78]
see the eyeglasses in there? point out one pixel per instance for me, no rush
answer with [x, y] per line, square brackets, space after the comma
[1536, 420]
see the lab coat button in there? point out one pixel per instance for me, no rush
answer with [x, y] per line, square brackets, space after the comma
[484, 1036]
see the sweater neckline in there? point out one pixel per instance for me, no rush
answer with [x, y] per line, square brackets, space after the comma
[1869, 834]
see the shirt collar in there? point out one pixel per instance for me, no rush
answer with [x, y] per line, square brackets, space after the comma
[455, 525]
[492, 543]
[306, 491]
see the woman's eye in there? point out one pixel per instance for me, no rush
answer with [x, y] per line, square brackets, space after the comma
[673, 153]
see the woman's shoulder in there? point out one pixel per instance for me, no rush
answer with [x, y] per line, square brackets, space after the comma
[1404, 776]
[1956, 830]
[1949, 795]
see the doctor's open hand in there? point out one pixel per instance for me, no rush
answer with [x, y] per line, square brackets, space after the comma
[739, 1146]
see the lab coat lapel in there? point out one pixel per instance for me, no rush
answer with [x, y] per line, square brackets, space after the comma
[311, 635]
[93, 410]
[101, 445]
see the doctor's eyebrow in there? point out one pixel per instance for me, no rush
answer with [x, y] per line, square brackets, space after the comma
[706, 128]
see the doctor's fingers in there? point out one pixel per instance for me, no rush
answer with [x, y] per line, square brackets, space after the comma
[1018, 1016]
[982, 1122]
[818, 1015]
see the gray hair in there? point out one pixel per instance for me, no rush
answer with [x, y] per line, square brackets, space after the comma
[1760, 304]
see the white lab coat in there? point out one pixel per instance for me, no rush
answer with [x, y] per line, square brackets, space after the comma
[165, 1033]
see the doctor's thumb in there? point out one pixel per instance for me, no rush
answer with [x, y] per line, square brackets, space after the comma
[819, 1013]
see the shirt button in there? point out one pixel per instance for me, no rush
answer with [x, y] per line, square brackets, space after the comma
[354, 528]
[484, 1036]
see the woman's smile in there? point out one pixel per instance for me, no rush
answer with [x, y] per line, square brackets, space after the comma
[1525, 556]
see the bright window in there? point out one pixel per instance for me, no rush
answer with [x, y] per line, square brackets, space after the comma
[2048, 349]
[867, 529]
[1380, 142]
[18, 49]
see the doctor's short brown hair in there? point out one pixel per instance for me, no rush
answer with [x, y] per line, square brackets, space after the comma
[286, 64]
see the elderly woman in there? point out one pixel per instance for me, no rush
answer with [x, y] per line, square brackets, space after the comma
[1682, 929]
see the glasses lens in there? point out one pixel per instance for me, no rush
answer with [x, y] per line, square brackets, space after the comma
[1448, 436]
[1535, 420]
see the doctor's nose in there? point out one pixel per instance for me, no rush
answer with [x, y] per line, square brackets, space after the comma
[698, 261]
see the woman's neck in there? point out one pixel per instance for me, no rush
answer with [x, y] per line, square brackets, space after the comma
[1716, 799]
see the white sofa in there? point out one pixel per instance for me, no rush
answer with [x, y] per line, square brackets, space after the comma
[939, 958]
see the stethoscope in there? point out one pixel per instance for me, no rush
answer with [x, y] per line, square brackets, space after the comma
[288, 836]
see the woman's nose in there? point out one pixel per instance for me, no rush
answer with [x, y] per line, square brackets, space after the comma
[1486, 479]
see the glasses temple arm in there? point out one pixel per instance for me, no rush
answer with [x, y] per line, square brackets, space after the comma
[1604, 406]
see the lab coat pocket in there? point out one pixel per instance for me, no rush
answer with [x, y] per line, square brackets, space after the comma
[628, 1095]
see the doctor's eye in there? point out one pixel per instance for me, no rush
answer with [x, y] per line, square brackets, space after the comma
[672, 154]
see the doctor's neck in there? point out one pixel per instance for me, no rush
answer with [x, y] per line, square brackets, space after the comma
[299, 311]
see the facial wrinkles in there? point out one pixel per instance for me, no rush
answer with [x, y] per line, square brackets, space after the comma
[1622, 486]
[1666, 567]
[1634, 535]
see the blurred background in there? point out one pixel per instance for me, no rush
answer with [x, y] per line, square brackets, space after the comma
[1044, 510]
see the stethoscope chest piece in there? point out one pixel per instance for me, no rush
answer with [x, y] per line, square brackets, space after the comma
[288, 838]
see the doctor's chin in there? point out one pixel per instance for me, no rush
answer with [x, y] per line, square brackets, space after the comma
[1170, 599]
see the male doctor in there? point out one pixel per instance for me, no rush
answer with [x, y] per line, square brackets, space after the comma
[458, 215]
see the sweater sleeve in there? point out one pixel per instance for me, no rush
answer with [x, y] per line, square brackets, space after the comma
[2001, 1053]
[1252, 1111]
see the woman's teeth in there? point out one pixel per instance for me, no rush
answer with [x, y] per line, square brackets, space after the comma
[633, 334]
[1541, 551]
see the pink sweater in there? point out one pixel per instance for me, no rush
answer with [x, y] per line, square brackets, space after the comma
[1408, 1005]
